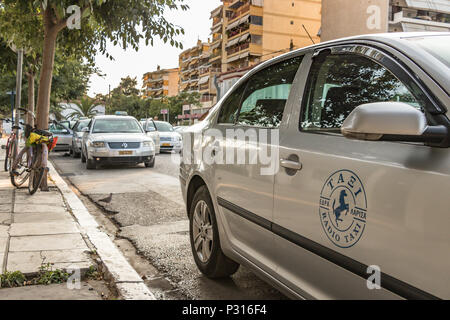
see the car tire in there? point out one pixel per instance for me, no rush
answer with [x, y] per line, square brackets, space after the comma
[206, 249]
[90, 164]
[150, 164]
[83, 158]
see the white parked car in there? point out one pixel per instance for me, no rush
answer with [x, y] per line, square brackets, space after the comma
[170, 140]
[354, 202]
[116, 139]
[150, 129]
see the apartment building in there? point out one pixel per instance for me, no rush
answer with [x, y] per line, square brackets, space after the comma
[377, 16]
[160, 83]
[247, 32]
[195, 76]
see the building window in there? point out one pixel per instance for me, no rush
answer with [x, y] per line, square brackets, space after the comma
[256, 39]
[257, 20]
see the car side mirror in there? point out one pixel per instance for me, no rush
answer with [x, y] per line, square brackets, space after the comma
[391, 121]
[86, 129]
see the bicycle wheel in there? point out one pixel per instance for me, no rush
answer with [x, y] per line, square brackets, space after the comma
[22, 172]
[36, 177]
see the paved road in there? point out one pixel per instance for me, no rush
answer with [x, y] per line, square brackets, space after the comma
[148, 206]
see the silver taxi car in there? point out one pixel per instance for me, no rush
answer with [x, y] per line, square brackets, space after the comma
[354, 203]
[116, 140]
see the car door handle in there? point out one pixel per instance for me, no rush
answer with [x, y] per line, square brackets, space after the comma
[293, 165]
[215, 149]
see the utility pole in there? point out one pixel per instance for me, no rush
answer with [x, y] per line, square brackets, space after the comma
[19, 83]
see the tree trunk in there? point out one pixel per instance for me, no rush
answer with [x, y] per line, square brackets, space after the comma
[30, 119]
[48, 61]
[45, 82]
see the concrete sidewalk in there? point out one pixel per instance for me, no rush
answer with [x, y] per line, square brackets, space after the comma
[36, 230]
[55, 227]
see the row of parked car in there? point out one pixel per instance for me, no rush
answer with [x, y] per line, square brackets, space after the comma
[116, 139]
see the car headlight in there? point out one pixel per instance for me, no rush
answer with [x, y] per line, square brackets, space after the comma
[98, 144]
[177, 139]
[148, 144]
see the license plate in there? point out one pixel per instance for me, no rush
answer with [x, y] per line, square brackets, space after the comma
[166, 144]
[125, 153]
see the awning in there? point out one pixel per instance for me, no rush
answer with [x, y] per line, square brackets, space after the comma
[236, 57]
[215, 46]
[416, 27]
[245, 54]
[244, 19]
[216, 29]
[233, 25]
[216, 12]
[233, 42]
[435, 5]
[244, 37]
[203, 80]
[236, 4]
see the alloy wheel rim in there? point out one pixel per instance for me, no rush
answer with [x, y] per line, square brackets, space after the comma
[202, 231]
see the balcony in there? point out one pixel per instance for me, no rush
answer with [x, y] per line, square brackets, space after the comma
[239, 12]
[410, 21]
[217, 20]
[238, 48]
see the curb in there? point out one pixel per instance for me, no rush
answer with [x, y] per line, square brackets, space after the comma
[126, 280]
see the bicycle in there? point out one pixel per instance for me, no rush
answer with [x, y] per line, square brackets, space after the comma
[31, 162]
[10, 146]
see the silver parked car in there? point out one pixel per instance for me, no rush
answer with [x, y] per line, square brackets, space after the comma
[116, 139]
[357, 205]
[77, 137]
[169, 139]
[64, 135]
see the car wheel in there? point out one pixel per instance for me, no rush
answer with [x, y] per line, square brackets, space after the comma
[72, 152]
[204, 236]
[150, 164]
[90, 164]
[83, 158]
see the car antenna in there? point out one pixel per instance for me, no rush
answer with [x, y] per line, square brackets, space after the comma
[308, 34]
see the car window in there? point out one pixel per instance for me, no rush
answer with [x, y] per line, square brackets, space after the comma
[116, 126]
[230, 108]
[339, 83]
[150, 125]
[81, 125]
[266, 94]
[57, 129]
[164, 126]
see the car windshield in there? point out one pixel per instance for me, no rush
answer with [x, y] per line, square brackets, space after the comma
[437, 46]
[81, 125]
[116, 126]
[57, 129]
[150, 125]
[164, 126]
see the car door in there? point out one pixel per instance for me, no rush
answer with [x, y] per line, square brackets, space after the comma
[353, 204]
[247, 122]
[151, 131]
[63, 133]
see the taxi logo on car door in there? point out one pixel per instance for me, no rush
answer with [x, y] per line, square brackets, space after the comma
[343, 208]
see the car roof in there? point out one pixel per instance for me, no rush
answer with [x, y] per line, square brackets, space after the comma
[111, 117]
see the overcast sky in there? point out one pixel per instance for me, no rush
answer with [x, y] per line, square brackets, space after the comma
[196, 24]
